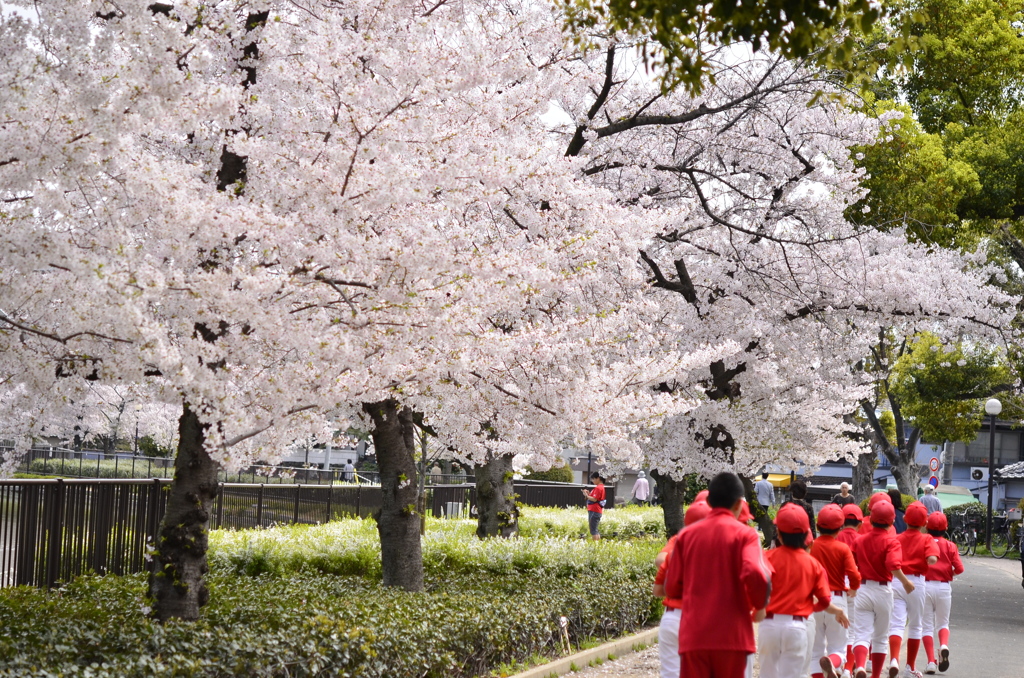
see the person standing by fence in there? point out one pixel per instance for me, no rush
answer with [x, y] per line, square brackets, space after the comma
[595, 505]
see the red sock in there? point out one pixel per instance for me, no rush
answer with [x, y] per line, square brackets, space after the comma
[877, 664]
[943, 636]
[849, 658]
[929, 648]
[817, 675]
[860, 656]
[913, 647]
[894, 647]
[837, 660]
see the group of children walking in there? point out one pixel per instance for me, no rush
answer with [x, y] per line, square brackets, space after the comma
[835, 606]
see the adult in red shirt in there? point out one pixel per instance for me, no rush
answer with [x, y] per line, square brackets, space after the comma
[919, 551]
[879, 558]
[595, 504]
[843, 581]
[939, 592]
[717, 570]
[800, 588]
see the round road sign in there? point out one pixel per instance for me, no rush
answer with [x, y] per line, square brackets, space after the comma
[933, 481]
[934, 464]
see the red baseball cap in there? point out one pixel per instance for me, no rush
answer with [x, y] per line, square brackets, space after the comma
[830, 517]
[852, 511]
[745, 513]
[883, 513]
[879, 496]
[701, 496]
[937, 522]
[792, 519]
[915, 515]
[698, 510]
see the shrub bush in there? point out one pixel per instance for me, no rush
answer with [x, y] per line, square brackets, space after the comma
[624, 522]
[558, 474]
[314, 625]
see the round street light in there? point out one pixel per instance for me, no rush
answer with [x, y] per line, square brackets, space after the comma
[992, 408]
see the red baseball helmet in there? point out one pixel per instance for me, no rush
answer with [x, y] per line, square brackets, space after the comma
[792, 519]
[698, 510]
[883, 513]
[830, 517]
[937, 522]
[853, 511]
[916, 514]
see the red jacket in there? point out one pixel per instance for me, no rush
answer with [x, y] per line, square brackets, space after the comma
[800, 584]
[948, 564]
[837, 559]
[718, 571]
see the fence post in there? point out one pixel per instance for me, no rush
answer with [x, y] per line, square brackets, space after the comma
[359, 492]
[259, 506]
[298, 489]
[220, 504]
[330, 495]
[55, 531]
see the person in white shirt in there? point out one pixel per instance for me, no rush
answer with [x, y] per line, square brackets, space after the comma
[641, 489]
[765, 491]
[930, 501]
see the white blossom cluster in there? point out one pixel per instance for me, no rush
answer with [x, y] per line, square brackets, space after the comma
[410, 227]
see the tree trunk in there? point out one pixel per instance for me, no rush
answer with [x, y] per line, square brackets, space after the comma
[498, 515]
[864, 475]
[398, 523]
[671, 493]
[177, 584]
[907, 474]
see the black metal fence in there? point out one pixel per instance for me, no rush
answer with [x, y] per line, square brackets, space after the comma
[455, 501]
[52, 530]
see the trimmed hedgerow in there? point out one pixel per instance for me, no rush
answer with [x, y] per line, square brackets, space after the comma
[307, 601]
[313, 625]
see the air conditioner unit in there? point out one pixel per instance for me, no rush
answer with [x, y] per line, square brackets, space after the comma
[979, 473]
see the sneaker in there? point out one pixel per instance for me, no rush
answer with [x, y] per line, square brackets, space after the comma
[827, 669]
[894, 668]
[943, 657]
[930, 669]
[847, 674]
[860, 672]
[911, 673]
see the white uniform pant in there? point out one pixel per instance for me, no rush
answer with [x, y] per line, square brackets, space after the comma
[908, 608]
[810, 643]
[937, 603]
[782, 647]
[668, 643]
[829, 635]
[873, 604]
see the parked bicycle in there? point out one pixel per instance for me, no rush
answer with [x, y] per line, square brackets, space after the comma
[964, 533]
[1006, 533]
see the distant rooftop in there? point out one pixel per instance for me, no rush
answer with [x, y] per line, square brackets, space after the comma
[1012, 471]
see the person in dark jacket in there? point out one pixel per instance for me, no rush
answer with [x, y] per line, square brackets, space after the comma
[798, 492]
[897, 503]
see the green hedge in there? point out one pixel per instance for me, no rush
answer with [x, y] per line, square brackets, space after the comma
[315, 625]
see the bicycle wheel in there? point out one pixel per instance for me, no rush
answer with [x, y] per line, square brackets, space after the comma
[1000, 543]
[959, 538]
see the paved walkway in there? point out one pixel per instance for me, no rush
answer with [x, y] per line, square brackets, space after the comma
[986, 628]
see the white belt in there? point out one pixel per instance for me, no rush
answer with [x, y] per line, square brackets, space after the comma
[786, 617]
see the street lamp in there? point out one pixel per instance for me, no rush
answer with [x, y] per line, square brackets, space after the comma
[992, 408]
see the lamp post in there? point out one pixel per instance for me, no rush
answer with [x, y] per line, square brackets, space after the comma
[992, 408]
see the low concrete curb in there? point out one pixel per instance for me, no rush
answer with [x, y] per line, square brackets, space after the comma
[620, 647]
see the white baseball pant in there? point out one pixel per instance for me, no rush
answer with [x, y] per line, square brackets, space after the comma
[668, 643]
[938, 601]
[908, 608]
[873, 604]
[810, 643]
[782, 647]
[829, 635]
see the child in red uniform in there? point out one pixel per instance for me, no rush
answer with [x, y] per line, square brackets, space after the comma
[879, 559]
[849, 536]
[717, 571]
[837, 559]
[668, 629]
[799, 588]
[919, 552]
[939, 593]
